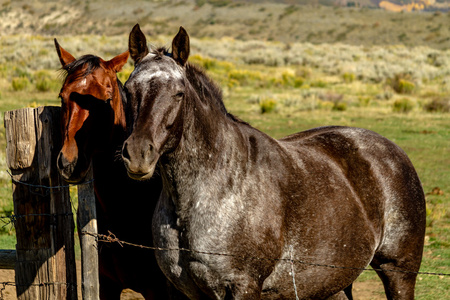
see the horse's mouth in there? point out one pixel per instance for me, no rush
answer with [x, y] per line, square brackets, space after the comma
[140, 176]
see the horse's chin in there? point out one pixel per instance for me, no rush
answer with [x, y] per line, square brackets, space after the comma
[140, 170]
[73, 178]
[73, 171]
[140, 176]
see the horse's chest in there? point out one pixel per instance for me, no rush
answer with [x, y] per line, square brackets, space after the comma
[180, 262]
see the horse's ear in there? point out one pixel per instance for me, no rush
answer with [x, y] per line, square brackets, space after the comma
[64, 57]
[181, 47]
[137, 44]
[118, 62]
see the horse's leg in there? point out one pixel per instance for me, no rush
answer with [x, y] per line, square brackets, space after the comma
[396, 263]
[399, 256]
[348, 292]
[340, 296]
[397, 284]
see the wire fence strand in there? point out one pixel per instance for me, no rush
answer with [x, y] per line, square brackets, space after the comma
[111, 238]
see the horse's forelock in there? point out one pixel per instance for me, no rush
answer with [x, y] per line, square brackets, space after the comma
[92, 62]
[159, 51]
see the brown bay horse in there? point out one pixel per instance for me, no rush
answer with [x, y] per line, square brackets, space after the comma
[94, 128]
[244, 204]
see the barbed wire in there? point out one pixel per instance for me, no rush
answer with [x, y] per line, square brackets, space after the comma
[111, 238]
[45, 187]
[13, 217]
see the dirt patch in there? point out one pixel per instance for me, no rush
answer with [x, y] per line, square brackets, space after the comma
[370, 289]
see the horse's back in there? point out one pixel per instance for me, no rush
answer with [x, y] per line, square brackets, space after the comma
[363, 157]
[376, 170]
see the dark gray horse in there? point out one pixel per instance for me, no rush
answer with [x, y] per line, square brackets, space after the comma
[335, 196]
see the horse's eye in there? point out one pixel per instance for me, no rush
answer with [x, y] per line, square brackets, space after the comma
[179, 95]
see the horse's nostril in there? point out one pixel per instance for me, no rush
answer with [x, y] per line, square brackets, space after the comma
[125, 154]
[58, 161]
[61, 161]
[66, 168]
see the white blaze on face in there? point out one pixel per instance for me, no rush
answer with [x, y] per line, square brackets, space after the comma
[164, 70]
[82, 82]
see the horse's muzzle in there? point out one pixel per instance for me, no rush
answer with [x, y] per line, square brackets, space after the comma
[70, 170]
[140, 159]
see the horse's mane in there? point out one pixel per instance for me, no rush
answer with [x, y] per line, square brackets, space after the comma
[207, 89]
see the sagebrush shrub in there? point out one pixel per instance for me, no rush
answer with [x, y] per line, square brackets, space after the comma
[45, 81]
[244, 76]
[348, 77]
[43, 85]
[403, 105]
[402, 83]
[364, 101]
[438, 105]
[20, 83]
[289, 79]
[267, 105]
[339, 106]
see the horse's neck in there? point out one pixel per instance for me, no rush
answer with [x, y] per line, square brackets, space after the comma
[119, 109]
[209, 131]
[109, 157]
[211, 145]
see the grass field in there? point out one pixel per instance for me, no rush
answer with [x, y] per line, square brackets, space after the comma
[401, 92]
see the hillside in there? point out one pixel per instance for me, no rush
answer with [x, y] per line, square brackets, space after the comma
[260, 20]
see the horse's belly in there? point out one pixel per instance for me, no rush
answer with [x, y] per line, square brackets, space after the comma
[305, 281]
[317, 268]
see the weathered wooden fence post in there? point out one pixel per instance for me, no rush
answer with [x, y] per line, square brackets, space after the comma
[87, 229]
[45, 267]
